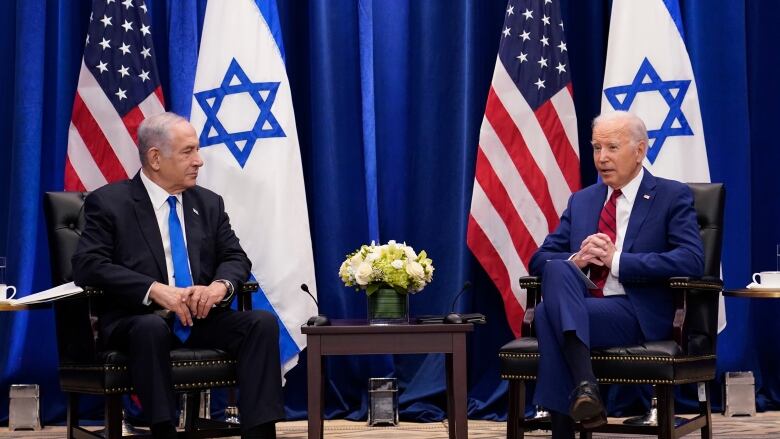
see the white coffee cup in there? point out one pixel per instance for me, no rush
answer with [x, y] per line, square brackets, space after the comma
[4, 291]
[769, 279]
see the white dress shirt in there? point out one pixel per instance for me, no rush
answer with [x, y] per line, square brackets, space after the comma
[162, 210]
[624, 205]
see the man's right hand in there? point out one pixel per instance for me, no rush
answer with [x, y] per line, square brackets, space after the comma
[173, 299]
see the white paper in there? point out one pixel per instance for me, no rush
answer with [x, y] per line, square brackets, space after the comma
[55, 293]
[588, 283]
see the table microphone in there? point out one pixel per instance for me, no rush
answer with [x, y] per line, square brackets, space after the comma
[454, 317]
[319, 319]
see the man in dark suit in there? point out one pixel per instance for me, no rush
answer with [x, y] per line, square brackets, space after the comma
[150, 263]
[629, 228]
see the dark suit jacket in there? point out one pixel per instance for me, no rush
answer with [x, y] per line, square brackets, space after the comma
[121, 249]
[662, 240]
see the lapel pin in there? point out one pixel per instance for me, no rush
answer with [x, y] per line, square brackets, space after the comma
[196, 210]
[646, 197]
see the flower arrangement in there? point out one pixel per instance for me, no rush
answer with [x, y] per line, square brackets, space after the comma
[393, 265]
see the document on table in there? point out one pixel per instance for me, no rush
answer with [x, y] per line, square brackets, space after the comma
[55, 293]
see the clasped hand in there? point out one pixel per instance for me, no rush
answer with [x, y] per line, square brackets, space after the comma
[596, 249]
[190, 302]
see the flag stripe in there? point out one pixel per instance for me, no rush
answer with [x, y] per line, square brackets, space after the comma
[486, 254]
[95, 142]
[513, 140]
[499, 198]
[131, 120]
[83, 162]
[495, 229]
[72, 181]
[522, 200]
[563, 102]
[559, 142]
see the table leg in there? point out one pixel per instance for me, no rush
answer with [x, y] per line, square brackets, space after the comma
[456, 388]
[315, 388]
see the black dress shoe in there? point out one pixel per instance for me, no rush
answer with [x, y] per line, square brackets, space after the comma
[586, 406]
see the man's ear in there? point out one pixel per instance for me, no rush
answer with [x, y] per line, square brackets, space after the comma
[153, 158]
[642, 150]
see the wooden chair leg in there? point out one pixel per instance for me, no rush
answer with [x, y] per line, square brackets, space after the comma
[192, 411]
[113, 409]
[665, 393]
[516, 414]
[586, 434]
[705, 409]
[73, 414]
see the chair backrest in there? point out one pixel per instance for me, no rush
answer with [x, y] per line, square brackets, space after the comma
[701, 320]
[76, 326]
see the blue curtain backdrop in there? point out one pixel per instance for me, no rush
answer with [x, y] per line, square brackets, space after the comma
[401, 84]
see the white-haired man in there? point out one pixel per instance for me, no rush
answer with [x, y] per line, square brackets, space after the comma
[628, 227]
[159, 242]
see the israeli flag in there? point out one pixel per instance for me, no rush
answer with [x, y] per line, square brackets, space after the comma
[242, 111]
[649, 73]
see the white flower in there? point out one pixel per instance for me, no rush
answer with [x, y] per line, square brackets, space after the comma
[414, 269]
[394, 264]
[363, 273]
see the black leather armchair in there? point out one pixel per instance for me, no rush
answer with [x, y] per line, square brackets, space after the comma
[688, 358]
[85, 367]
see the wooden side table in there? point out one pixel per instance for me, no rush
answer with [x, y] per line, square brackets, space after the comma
[752, 293]
[356, 337]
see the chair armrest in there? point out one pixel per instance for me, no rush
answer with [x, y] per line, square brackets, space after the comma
[532, 285]
[245, 295]
[706, 283]
[683, 287]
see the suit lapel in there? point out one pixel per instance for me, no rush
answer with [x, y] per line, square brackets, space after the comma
[148, 224]
[194, 229]
[645, 197]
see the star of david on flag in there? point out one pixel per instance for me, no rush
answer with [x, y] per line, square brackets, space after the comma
[647, 80]
[263, 95]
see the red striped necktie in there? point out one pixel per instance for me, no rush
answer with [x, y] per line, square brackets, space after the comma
[608, 226]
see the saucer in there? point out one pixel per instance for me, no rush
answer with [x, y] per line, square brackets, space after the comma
[758, 287]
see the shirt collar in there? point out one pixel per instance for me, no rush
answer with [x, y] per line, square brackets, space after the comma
[630, 190]
[157, 194]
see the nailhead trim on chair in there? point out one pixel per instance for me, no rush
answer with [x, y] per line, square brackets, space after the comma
[638, 358]
[618, 380]
[642, 358]
[698, 284]
[200, 363]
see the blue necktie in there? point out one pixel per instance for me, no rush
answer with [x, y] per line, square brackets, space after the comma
[181, 269]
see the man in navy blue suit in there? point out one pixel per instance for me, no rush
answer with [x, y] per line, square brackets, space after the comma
[163, 250]
[626, 232]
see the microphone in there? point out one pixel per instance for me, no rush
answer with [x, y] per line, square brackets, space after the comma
[319, 319]
[454, 317]
[466, 286]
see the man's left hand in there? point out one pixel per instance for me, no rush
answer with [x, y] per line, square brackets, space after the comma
[606, 248]
[203, 298]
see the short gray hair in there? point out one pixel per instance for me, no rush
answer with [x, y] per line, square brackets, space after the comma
[156, 131]
[636, 127]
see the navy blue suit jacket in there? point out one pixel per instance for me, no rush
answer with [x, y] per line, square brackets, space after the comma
[662, 240]
[121, 249]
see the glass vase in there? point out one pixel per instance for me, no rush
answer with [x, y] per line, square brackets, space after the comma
[386, 306]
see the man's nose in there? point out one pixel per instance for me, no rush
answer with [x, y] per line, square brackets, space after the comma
[198, 159]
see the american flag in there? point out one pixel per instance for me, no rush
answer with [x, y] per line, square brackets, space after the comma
[118, 87]
[528, 158]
